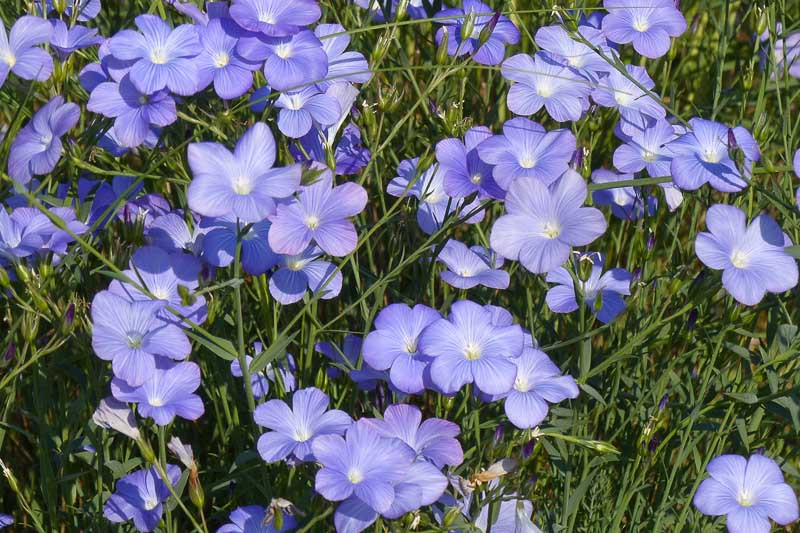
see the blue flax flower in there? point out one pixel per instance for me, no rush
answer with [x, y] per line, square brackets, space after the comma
[162, 57]
[19, 53]
[220, 64]
[561, 47]
[648, 24]
[627, 203]
[169, 392]
[610, 286]
[346, 359]
[67, 40]
[469, 267]
[343, 66]
[241, 184]
[320, 214]
[466, 347]
[290, 63]
[131, 336]
[254, 519]
[635, 105]
[464, 171]
[302, 272]
[275, 18]
[219, 244]
[543, 81]
[753, 258]
[542, 223]
[294, 431]
[302, 110]
[86, 9]
[37, 147]
[140, 497]
[502, 32]
[434, 440]
[749, 491]
[527, 150]
[393, 345]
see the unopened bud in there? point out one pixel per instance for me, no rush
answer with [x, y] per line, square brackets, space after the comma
[5, 279]
[381, 47]
[113, 414]
[146, 450]
[468, 26]
[68, 319]
[196, 493]
[498, 434]
[187, 298]
[402, 9]
[450, 517]
[692, 320]
[527, 450]
[441, 52]
[277, 520]
[663, 403]
[488, 29]
[651, 241]
[597, 305]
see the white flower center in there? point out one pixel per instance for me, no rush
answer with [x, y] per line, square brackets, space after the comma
[283, 50]
[302, 435]
[222, 59]
[161, 294]
[312, 222]
[9, 58]
[46, 138]
[551, 230]
[143, 99]
[156, 401]
[527, 161]
[150, 503]
[745, 498]
[355, 476]
[410, 346]
[711, 155]
[739, 259]
[648, 156]
[158, 56]
[266, 17]
[622, 97]
[641, 25]
[472, 351]
[476, 178]
[295, 102]
[134, 339]
[521, 384]
[295, 264]
[575, 61]
[242, 185]
[545, 90]
[465, 273]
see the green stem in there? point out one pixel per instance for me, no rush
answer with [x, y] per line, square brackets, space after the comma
[162, 458]
[237, 302]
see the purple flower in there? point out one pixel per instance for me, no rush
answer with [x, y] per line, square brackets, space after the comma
[220, 64]
[167, 393]
[542, 81]
[259, 381]
[648, 24]
[302, 272]
[320, 214]
[434, 440]
[611, 286]
[37, 147]
[349, 154]
[18, 51]
[647, 149]
[541, 224]
[67, 40]
[538, 382]
[489, 53]
[219, 245]
[416, 9]
[162, 274]
[752, 258]
[701, 155]
[134, 113]
[253, 519]
[295, 430]
[634, 105]
[464, 171]
[468, 348]
[366, 378]
[796, 166]
[6, 520]
[86, 9]
[292, 62]
[343, 66]
[627, 203]
[23, 233]
[275, 18]
[749, 491]
[393, 345]
[301, 110]
[140, 497]
[527, 150]
[350, 467]
[163, 57]
[557, 42]
[428, 187]
[131, 336]
[171, 233]
[471, 266]
[242, 184]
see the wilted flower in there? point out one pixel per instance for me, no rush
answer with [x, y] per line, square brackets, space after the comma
[749, 491]
[113, 414]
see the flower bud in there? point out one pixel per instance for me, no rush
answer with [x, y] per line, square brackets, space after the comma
[441, 52]
[68, 319]
[30, 326]
[692, 320]
[5, 279]
[651, 241]
[527, 450]
[498, 434]
[277, 520]
[402, 9]
[9, 475]
[23, 273]
[597, 305]
[9, 355]
[187, 298]
[147, 451]
[196, 493]
[486, 32]
[468, 26]
[381, 47]
[450, 517]
[663, 403]
[113, 414]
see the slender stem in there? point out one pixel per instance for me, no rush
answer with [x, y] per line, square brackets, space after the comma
[162, 459]
[237, 302]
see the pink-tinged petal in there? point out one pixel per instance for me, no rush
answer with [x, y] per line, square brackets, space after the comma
[714, 499]
[525, 409]
[273, 446]
[255, 151]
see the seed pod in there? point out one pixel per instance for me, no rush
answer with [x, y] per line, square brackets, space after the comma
[441, 52]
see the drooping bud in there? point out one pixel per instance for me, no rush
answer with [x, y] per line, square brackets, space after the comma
[651, 241]
[498, 469]
[113, 414]
[488, 29]
[11, 351]
[498, 434]
[663, 403]
[527, 450]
